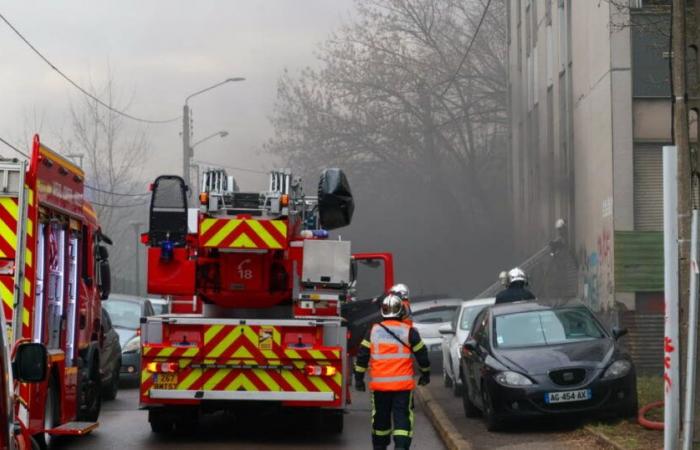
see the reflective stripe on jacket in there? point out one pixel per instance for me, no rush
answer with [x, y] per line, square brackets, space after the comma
[390, 363]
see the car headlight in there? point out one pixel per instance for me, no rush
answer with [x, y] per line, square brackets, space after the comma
[133, 345]
[509, 378]
[618, 369]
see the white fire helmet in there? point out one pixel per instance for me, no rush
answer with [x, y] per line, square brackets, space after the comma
[516, 274]
[392, 307]
[400, 290]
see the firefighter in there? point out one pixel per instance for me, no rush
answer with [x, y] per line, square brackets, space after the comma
[387, 351]
[401, 291]
[517, 288]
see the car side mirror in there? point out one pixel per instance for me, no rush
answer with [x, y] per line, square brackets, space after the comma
[446, 329]
[619, 332]
[469, 345]
[31, 362]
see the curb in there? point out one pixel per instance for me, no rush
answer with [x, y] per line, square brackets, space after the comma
[602, 438]
[452, 438]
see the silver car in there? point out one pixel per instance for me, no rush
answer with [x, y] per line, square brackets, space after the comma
[428, 316]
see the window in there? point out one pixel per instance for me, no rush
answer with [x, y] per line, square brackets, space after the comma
[435, 315]
[546, 327]
[124, 314]
[468, 316]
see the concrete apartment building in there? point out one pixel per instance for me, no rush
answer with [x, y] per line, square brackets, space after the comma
[590, 112]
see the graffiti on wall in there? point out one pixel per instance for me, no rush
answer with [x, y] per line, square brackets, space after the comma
[596, 271]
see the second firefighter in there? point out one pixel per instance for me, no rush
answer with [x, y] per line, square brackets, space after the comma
[387, 351]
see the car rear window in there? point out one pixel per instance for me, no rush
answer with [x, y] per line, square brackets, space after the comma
[123, 314]
[435, 315]
[547, 327]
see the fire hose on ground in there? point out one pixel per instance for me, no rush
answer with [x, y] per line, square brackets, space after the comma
[646, 423]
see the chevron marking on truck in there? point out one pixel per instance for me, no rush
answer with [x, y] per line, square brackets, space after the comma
[231, 357]
[243, 233]
[9, 212]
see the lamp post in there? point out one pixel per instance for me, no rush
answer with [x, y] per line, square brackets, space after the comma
[186, 147]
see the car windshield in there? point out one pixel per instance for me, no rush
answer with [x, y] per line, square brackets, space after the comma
[547, 327]
[435, 315]
[123, 314]
[468, 315]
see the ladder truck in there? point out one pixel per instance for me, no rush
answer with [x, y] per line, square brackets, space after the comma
[54, 272]
[271, 286]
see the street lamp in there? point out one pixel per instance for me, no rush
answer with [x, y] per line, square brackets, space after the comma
[221, 134]
[186, 147]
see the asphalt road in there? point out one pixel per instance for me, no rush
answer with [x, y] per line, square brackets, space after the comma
[123, 426]
[551, 434]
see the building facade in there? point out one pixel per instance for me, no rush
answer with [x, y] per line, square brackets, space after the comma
[590, 111]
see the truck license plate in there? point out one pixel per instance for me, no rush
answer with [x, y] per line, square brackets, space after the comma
[166, 381]
[567, 396]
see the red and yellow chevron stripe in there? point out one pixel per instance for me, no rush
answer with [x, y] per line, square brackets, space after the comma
[9, 212]
[219, 363]
[243, 233]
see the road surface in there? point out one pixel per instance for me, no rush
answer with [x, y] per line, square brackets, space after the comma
[123, 426]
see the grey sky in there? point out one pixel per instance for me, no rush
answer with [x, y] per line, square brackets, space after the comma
[160, 51]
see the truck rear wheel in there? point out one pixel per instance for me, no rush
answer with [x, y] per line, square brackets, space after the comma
[333, 421]
[91, 391]
[160, 421]
[52, 409]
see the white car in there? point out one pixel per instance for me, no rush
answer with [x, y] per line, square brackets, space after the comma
[453, 336]
[428, 315]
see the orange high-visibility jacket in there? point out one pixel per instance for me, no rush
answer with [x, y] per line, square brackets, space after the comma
[390, 363]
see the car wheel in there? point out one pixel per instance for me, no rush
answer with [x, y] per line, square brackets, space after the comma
[631, 409]
[110, 391]
[470, 410]
[457, 388]
[446, 380]
[493, 423]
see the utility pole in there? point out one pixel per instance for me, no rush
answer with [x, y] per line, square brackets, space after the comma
[681, 141]
[186, 150]
[137, 265]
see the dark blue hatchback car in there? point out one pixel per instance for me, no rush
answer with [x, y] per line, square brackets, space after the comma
[528, 359]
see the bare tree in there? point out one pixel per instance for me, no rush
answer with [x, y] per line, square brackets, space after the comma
[408, 93]
[113, 151]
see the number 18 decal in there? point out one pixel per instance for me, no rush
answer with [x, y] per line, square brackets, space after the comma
[243, 272]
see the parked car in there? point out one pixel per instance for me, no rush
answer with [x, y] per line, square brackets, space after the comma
[453, 336]
[428, 316]
[531, 359]
[160, 305]
[110, 358]
[126, 312]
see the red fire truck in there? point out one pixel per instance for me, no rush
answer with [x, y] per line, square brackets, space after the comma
[54, 271]
[271, 284]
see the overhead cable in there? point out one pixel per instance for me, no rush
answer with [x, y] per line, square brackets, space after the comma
[14, 148]
[77, 86]
[103, 191]
[469, 47]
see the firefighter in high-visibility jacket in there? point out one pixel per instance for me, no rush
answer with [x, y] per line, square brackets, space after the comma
[387, 351]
